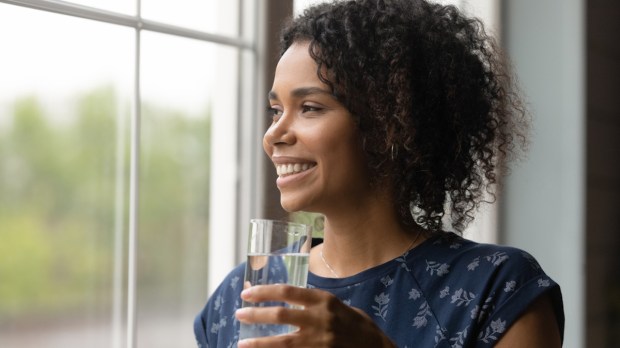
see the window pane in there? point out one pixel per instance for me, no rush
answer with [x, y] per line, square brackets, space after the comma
[186, 86]
[214, 16]
[64, 105]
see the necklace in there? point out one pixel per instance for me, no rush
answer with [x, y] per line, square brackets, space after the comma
[331, 269]
[327, 264]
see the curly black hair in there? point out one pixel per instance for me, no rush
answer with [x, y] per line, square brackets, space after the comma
[437, 111]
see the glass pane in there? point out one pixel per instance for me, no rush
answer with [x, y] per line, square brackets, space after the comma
[64, 106]
[214, 16]
[120, 6]
[184, 85]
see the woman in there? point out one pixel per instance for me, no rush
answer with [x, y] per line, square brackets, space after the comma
[387, 115]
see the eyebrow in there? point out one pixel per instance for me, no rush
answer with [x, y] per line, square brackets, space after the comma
[302, 92]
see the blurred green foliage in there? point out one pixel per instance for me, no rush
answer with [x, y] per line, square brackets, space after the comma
[315, 220]
[64, 188]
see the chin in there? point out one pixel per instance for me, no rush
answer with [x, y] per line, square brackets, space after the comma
[292, 205]
[289, 207]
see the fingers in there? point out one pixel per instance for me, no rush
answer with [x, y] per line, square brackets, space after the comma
[324, 321]
[315, 303]
[290, 340]
[284, 293]
[271, 315]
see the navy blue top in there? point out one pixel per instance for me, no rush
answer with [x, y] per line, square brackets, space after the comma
[446, 292]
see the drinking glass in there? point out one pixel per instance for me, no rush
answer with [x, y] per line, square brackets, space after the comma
[278, 253]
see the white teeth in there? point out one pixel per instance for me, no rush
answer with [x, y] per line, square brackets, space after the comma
[286, 169]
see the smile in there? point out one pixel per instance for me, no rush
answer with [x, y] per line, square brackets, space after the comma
[293, 168]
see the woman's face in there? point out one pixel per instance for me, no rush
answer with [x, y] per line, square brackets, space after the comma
[313, 141]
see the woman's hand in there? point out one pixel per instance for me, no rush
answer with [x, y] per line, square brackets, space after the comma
[324, 320]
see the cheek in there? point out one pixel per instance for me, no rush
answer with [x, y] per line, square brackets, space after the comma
[356, 159]
[345, 151]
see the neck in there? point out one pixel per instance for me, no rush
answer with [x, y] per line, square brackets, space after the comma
[362, 237]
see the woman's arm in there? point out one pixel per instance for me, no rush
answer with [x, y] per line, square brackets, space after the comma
[537, 327]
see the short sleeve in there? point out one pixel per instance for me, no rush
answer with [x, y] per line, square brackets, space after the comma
[517, 285]
[200, 331]
[475, 291]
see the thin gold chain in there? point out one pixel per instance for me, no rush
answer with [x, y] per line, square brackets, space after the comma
[327, 264]
[331, 269]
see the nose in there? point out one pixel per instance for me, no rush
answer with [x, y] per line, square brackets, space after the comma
[280, 132]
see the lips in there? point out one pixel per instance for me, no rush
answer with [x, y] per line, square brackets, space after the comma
[285, 169]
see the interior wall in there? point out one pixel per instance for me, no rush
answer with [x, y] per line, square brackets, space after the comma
[543, 207]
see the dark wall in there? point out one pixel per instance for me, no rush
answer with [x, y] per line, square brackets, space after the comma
[278, 11]
[603, 173]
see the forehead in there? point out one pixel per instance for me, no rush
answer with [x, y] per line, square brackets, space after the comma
[296, 67]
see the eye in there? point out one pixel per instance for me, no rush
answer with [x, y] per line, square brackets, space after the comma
[310, 108]
[274, 113]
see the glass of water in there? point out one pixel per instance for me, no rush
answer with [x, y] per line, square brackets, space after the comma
[278, 253]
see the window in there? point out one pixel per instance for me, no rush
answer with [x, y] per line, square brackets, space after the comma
[123, 133]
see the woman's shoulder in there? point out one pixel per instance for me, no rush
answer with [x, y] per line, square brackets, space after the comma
[231, 285]
[486, 285]
[216, 321]
[225, 299]
[459, 251]
[449, 260]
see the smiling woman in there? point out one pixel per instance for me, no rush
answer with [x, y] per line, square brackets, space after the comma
[386, 114]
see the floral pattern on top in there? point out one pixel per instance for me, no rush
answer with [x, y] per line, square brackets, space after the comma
[446, 292]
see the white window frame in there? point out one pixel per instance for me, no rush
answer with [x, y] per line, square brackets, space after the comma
[226, 228]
